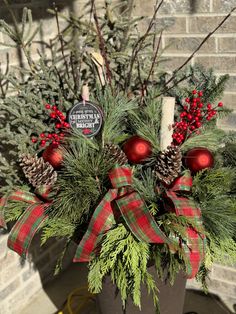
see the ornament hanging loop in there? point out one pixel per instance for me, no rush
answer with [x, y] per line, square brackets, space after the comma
[85, 93]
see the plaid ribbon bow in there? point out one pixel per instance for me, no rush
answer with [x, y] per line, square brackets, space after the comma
[195, 241]
[130, 206]
[139, 220]
[29, 223]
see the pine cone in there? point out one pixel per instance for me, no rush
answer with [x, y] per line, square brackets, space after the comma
[115, 153]
[37, 171]
[168, 164]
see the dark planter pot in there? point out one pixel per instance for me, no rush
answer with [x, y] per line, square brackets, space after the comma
[171, 298]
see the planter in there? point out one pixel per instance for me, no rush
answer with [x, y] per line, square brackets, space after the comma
[171, 298]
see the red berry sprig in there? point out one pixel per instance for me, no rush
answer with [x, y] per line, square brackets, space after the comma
[60, 125]
[194, 114]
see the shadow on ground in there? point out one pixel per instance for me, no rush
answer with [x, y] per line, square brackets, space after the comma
[197, 302]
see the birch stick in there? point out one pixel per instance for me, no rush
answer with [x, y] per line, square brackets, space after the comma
[167, 119]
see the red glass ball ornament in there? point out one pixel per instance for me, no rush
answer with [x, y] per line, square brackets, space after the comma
[53, 154]
[198, 158]
[137, 149]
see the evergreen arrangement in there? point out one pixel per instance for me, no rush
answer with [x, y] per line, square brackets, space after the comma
[105, 184]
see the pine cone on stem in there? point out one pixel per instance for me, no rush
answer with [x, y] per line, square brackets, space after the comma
[37, 171]
[115, 153]
[168, 164]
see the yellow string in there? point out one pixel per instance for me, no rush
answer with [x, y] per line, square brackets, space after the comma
[85, 298]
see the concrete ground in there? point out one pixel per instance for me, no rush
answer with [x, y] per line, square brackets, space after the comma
[52, 299]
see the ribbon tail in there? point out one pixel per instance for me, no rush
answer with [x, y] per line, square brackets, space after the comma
[2, 206]
[25, 228]
[101, 221]
[194, 246]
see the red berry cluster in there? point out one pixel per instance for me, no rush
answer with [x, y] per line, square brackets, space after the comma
[194, 114]
[60, 125]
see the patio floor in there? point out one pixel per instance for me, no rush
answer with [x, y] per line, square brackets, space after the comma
[52, 299]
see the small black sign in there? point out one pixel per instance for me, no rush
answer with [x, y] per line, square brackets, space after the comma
[87, 117]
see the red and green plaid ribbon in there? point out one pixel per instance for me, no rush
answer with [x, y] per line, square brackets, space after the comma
[29, 223]
[131, 207]
[194, 242]
[139, 220]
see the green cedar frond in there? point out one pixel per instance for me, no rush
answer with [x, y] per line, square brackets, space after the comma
[125, 259]
[13, 210]
[59, 228]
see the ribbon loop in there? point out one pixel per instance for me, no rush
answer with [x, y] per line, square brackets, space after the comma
[30, 221]
[183, 183]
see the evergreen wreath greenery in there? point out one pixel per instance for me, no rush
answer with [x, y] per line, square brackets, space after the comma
[131, 103]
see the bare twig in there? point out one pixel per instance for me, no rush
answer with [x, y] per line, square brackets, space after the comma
[154, 58]
[138, 45]
[199, 47]
[102, 47]
[83, 50]
[142, 91]
[172, 86]
[74, 73]
[61, 40]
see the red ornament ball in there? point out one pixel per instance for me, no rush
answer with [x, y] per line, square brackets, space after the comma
[198, 158]
[54, 155]
[137, 149]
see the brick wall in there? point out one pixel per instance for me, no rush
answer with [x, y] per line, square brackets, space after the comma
[188, 22]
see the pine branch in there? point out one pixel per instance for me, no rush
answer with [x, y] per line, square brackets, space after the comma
[18, 36]
[209, 138]
[150, 115]
[116, 109]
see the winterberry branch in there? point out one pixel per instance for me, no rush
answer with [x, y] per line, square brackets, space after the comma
[192, 117]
